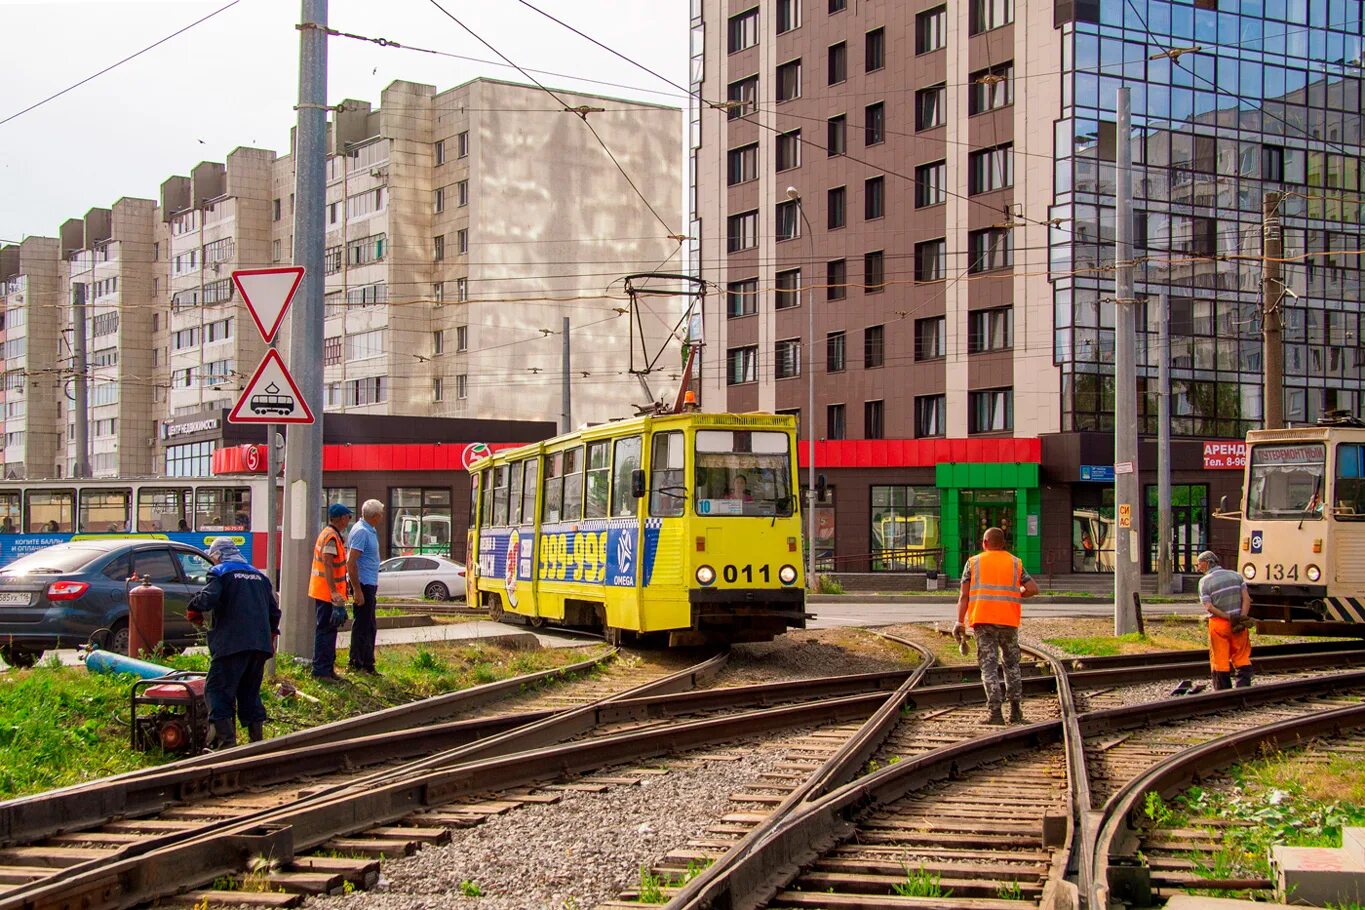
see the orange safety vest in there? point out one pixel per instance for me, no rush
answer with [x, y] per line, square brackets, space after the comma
[329, 573]
[993, 594]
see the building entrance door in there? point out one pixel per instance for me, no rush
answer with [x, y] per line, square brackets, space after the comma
[1189, 526]
[982, 509]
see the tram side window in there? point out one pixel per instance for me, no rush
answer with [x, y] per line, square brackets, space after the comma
[573, 484]
[222, 508]
[554, 488]
[627, 461]
[105, 511]
[500, 496]
[514, 495]
[10, 522]
[528, 496]
[163, 510]
[1349, 500]
[51, 511]
[487, 497]
[599, 480]
[473, 499]
[667, 493]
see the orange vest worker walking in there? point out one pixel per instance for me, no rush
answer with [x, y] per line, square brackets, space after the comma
[994, 585]
[1224, 595]
[327, 587]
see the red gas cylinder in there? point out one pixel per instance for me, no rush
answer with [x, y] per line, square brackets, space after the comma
[146, 618]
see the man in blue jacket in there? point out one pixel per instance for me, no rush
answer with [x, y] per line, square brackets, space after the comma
[244, 625]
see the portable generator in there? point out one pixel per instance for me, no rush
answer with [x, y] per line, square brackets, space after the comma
[169, 713]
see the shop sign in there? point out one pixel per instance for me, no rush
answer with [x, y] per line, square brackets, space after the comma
[1097, 473]
[172, 430]
[1225, 456]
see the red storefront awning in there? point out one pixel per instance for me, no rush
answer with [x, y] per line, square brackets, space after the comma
[918, 453]
[251, 459]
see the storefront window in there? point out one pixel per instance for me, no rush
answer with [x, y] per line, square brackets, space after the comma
[105, 511]
[1189, 526]
[825, 536]
[347, 496]
[421, 519]
[163, 510]
[1092, 528]
[193, 459]
[982, 509]
[905, 528]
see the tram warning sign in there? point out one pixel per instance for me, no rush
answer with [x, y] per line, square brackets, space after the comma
[271, 396]
[267, 293]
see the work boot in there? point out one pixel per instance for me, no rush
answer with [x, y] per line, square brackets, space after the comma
[1222, 679]
[255, 731]
[1016, 713]
[222, 735]
[1243, 677]
[996, 719]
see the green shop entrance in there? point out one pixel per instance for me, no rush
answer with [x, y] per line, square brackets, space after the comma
[974, 497]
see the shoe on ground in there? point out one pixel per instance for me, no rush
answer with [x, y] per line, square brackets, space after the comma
[995, 718]
[1016, 714]
[327, 677]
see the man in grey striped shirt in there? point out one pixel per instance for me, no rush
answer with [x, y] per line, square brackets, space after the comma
[1224, 595]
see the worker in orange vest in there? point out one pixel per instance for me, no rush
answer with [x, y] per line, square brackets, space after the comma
[994, 585]
[327, 587]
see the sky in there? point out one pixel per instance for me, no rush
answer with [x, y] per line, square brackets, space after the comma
[233, 80]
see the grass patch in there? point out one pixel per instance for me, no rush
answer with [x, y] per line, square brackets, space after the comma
[1110, 645]
[827, 584]
[920, 883]
[64, 725]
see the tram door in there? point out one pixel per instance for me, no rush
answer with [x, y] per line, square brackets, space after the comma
[982, 509]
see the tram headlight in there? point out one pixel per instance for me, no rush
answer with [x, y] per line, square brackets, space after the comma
[787, 574]
[1313, 573]
[1249, 570]
[706, 575]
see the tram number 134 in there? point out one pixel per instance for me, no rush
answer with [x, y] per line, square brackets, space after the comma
[1278, 571]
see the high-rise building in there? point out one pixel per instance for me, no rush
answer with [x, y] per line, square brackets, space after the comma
[31, 294]
[951, 222]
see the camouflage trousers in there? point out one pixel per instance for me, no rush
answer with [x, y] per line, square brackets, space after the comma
[997, 648]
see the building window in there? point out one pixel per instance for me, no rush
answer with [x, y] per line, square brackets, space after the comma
[438, 292]
[462, 290]
[931, 341]
[461, 339]
[741, 298]
[931, 182]
[789, 81]
[788, 293]
[462, 145]
[990, 169]
[788, 220]
[741, 231]
[440, 149]
[438, 389]
[788, 150]
[836, 135]
[990, 411]
[873, 426]
[438, 342]
[364, 345]
[438, 200]
[744, 94]
[836, 279]
[990, 330]
[366, 250]
[838, 63]
[837, 6]
[874, 272]
[930, 106]
[788, 358]
[834, 422]
[989, 249]
[788, 15]
[741, 365]
[742, 164]
[462, 241]
[462, 193]
[438, 247]
[874, 198]
[874, 50]
[931, 29]
[835, 203]
[874, 346]
[874, 124]
[836, 352]
[991, 89]
[194, 459]
[931, 412]
[331, 351]
[984, 15]
[462, 386]
[931, 260]
[743, 30]
[274, 210]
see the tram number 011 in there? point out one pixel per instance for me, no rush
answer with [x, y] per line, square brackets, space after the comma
[1278, 571]
[732, 573]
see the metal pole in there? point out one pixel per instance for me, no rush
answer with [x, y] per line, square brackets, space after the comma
[565, 392]
[81, 367]
[272, 503]
[1126, 485]
[303, 451]
[1163, 447]
[1272, 315]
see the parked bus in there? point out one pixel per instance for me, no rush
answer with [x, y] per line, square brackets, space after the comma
[683, 527]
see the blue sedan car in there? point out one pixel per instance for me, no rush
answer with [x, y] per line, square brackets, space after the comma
[62, 595]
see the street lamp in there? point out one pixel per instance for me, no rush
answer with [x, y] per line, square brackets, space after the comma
[795, 196]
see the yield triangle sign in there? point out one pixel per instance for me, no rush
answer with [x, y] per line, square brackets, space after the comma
[271, 396]
[267, 293]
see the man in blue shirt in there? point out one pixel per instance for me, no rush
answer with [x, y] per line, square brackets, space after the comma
[362, 563]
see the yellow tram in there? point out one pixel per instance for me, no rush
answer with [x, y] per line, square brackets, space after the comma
[1302, 540]
[680, 527]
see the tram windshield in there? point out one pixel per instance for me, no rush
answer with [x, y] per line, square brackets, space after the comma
[1286, 481]
[742, 472]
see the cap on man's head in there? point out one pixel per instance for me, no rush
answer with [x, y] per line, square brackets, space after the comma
[338, 510]
[224, 549]
[1209, 557]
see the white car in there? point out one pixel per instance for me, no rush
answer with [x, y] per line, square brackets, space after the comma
[432, 577]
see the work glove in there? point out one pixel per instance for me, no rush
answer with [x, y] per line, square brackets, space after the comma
[338, 600]
[339, 616]
[195, 617]
[960, 635]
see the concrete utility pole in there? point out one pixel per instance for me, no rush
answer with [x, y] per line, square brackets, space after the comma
[272, 506]
[303, 451]
[1126, 487]
[81, 393]
[809, 420]
[1163, 447]
[565, 392]
[1272, 315]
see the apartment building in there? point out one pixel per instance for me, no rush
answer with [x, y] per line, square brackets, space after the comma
[31, 302]
[950, 222]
